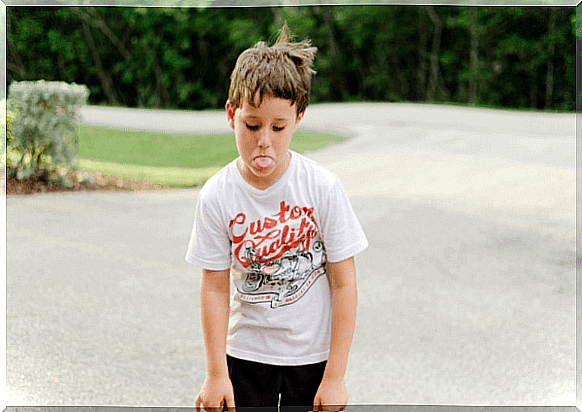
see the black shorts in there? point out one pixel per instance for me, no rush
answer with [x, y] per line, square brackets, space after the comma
[259, 385]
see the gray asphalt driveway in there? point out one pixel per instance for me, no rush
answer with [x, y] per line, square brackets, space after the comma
[466, 293]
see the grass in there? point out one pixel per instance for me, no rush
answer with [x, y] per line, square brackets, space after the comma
[169, 158]
[168, 176]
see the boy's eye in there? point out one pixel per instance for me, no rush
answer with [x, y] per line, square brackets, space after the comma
[252, 127]
[278, 129]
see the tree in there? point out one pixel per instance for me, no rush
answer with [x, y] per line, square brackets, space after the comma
[181, 58]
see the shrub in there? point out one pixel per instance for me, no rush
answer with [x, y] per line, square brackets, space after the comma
[6, 119]
[44, 130]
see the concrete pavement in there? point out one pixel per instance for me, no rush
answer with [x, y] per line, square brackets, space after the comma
[466, 293]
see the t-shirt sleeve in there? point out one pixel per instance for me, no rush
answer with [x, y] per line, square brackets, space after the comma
[209, 245]
[341, 231]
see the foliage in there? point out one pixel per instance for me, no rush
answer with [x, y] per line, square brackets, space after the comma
[6, 119]
[45, 128]
[181, 58]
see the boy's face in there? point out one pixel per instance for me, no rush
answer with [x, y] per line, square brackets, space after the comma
[263, 135]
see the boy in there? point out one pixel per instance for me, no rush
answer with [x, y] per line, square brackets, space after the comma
[282, 227]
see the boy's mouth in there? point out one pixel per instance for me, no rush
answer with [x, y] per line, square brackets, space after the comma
[263, 162]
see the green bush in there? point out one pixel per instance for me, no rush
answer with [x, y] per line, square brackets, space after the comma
[45, 129]
[6, 119]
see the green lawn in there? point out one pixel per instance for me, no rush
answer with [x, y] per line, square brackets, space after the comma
[169, 158]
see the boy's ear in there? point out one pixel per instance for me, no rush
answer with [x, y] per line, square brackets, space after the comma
[299, 117]
[230, 114]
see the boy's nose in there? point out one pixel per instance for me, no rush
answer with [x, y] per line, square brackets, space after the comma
[264, 138]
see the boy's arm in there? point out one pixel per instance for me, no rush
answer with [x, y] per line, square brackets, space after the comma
[214, 311]
[344, 303]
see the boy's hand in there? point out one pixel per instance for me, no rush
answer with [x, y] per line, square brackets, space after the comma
[216, 392]
[331, 396]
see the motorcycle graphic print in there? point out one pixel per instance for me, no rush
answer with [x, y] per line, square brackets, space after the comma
[280, 254]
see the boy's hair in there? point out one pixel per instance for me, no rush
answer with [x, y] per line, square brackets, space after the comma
[282, 70]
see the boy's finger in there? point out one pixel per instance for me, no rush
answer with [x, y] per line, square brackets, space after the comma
[319, 407]
[197, 403]
[229, 403]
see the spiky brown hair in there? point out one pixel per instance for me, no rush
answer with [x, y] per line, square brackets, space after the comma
[282, 70]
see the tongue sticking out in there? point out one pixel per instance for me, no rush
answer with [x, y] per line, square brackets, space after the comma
[263, 162]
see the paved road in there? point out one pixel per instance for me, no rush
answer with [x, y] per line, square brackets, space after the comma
[466, 293]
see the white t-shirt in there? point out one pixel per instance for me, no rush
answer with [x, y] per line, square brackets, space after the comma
[277, 242]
